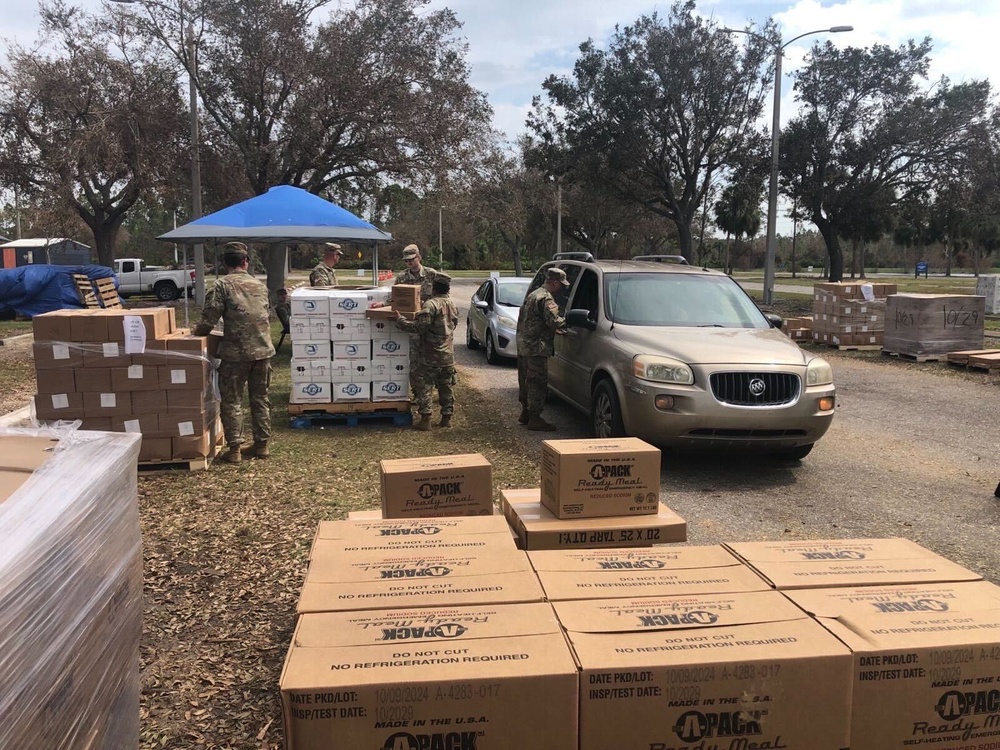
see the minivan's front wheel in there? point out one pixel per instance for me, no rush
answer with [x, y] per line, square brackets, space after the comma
[605, 412]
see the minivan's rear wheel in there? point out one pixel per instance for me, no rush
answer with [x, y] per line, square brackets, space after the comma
[470, 340]
[605, 412]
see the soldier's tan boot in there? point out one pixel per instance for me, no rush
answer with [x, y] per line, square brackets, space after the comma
[423, 424]
[536, 423]
[445, 420]
[260, 450]
[232, 456]
[523, 419]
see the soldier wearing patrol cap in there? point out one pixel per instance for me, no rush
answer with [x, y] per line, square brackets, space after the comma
[245, 350]
[324, 274]
[422, 276]
[537, 325]
[434, 327]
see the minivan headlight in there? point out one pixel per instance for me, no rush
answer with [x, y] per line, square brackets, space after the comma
[662, 370]
[819, 372]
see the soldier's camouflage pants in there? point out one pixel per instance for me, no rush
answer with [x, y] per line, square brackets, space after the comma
[429, 378]
[532, 382]
[255, 376]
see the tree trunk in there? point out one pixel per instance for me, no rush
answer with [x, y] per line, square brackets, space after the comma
[862, 254]
[104, 243]
[515, 250]
[854, 258]
[686, 241]
[947, 256]
[725, 266]
[274, 265]
[835, 270]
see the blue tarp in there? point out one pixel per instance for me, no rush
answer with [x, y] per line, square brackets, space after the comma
[36, 289]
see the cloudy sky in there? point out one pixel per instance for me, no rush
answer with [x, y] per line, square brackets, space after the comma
[515, 44]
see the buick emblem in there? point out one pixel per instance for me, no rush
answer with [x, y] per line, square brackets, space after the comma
[757, 387]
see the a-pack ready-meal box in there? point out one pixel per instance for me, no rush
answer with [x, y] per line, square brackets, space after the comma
[727, 671]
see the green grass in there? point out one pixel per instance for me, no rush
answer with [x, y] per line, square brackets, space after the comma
[14, 327]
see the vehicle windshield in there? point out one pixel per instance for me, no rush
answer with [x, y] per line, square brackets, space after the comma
[512, 294]
[678, 299]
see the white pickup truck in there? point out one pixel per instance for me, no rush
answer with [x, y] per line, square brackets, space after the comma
[135, 277]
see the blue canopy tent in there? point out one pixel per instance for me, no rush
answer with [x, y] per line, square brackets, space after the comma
[282, 215]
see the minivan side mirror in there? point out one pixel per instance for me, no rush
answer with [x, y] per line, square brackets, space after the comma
[774, 319]
[580, 319]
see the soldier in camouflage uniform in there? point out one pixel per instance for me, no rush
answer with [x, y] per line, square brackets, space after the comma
[423, 276]
[537, 325]
[434, 327]
[245, 350]
[324, 274]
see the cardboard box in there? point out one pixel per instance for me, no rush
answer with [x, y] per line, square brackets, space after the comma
[97, 424]
[393, 345]
[105, 354]
[186, 343]
[462, 678]
[350, 371]
[313, 350]
[135, 378]
[345, 303]
[350, 392]
[350, 351]
[54, 356]
[634, 573]
[311, 393]
[741, 671]
[933, 324]
[158, 321]
[52, 326]
[88, 326]
[106, 404]
[155, 449]
[142, 424]
[187, 400]
[349, 328]
[391, 390]
[51, 407]
[305, 302]
[149, 402]
[595, 478]
[93, 379]
[459, 485]
[406, 297]
[186, 423]
[423, 532]
[348, 577]
[798, 564]
[926, 661]
[380, 313]
[537, 529]
[55, 381]
[311, 370]
[184, 375]
[153, 354]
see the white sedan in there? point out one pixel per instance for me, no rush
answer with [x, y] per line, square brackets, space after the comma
[493, 314]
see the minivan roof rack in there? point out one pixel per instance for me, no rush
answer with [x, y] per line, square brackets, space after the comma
[662, 258]
[584, 256]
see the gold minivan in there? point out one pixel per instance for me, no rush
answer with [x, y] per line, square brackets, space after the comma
[683, 358]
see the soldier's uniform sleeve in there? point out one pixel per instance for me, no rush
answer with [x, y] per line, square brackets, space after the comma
[421, 323]
[551, 312]
[284, 315]
[215, 305]
[314, 278]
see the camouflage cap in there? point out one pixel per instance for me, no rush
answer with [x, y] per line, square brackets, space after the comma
[333, 247]
[235, 247]
[411, 251]
[234, 254]
[440, 277]
[556, 274]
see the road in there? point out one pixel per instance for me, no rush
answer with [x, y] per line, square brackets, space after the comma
[912, 452]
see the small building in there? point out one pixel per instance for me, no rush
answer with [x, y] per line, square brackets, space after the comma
[57, 251]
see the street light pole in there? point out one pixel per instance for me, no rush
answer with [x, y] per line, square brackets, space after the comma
[770, 253]
[440, 240]
[192, 68]
[558, 214]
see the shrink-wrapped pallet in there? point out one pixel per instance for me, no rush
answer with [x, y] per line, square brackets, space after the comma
[922, 325]
[70, 590]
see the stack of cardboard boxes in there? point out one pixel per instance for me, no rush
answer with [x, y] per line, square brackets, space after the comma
[798, 329]
[340, 354]
[70, 589]
[128, 371]
[924, 325]
[594, 493]
[849, 313]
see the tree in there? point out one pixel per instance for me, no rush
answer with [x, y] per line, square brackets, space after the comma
[865, 130]
[654, 117]
[95, 125]
[737, 212]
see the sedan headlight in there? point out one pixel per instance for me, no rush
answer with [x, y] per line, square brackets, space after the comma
[506, 322]
[662, 370]
[819, 372]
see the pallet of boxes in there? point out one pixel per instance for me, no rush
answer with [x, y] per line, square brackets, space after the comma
[925, 327]
[70, 589]
[345, 363]
[130, 371]
[850, 315]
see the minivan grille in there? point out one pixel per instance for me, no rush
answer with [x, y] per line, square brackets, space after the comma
[755, 388]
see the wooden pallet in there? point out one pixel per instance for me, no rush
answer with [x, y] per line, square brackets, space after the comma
[174, 464]
[988, 362]
[396, 413]
[107, 295]
[961, 359]
[916, 357]
[86, 290]
[349, 407]
[852, 347]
